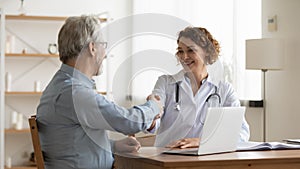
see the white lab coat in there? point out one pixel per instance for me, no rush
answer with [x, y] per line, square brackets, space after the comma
[188, 121]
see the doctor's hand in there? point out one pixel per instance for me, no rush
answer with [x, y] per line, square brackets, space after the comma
[185, 143]
[154, 122]
[155, 98]
[129, 144]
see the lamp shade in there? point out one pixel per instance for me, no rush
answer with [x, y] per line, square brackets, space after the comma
[265, 54]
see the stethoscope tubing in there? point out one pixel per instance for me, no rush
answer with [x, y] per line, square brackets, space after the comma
[177, 105]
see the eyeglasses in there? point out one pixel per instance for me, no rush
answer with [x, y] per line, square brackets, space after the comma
[103, 44]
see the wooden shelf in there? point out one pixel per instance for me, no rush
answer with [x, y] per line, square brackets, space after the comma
[47, 18]
[28, 17]
[103, 93]
[23, 93]
[30, 55]
[14, 131]
[28, 93]
[22, 167]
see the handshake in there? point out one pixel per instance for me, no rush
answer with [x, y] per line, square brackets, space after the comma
[130, 144]
[155, 98]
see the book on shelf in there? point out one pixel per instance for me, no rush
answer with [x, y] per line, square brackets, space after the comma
[251, 146]
[292, 141]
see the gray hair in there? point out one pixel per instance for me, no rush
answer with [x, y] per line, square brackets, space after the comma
[76, 33]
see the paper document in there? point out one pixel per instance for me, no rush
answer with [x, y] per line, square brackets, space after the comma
[292, 141]
[249, 146]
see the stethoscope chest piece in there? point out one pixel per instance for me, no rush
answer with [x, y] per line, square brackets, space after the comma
[177, 107]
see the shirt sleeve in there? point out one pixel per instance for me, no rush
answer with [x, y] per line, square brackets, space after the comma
[96, 112]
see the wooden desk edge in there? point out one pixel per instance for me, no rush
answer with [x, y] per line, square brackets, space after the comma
[272, 158]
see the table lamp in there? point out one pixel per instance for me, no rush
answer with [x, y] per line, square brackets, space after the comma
[264, 54]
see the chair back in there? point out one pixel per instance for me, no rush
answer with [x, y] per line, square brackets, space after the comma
[36, 142]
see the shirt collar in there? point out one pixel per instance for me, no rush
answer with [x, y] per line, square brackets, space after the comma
[181, 76]
[76, 74]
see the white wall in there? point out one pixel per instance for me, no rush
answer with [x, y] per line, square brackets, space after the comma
[282, 87]
[117, 9]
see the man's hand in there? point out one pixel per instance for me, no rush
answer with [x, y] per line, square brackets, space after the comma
[185, 143]
[129, 144]
[154, 122]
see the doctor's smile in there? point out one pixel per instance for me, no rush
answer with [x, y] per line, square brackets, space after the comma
[184, 57]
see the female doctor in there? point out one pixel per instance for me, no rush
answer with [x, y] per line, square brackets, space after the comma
[187, 94]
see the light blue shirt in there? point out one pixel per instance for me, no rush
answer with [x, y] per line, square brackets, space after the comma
[72, 121]
[189, 120]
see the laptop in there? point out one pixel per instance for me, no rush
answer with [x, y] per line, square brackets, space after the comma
[221, 132]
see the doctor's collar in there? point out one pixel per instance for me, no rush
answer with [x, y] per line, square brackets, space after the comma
[202, 81]
[178, 77]
[181, 76]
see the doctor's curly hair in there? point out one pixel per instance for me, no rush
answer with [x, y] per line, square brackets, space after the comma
[205, 40]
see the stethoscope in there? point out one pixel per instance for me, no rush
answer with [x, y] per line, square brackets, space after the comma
[215, 94]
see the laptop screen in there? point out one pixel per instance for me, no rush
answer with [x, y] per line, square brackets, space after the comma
[221, 131]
